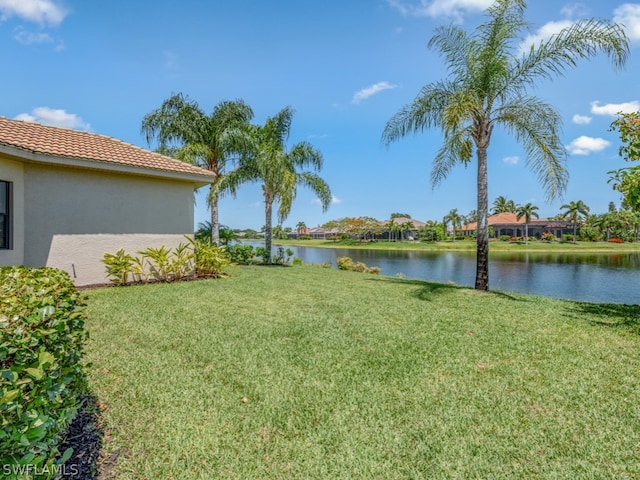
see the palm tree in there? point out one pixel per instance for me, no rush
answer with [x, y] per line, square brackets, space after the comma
[455, 218]
[301, 228]
[186, 132]
[575, 211]
[279, 170]
[502, 205]
[488, 86]
[527, 211]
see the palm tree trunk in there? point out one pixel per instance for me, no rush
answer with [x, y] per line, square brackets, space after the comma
[575, 229]
[526, 233]
[215, 224]
[268, 208]
[482, 241]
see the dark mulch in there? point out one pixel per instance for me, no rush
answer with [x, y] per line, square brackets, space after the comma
[86, 436]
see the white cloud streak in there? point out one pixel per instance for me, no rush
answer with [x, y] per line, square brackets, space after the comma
[54, 118]
[511, 160]
[612, 109]
[628, 14]
[543, 34]
[585, 145]
[334, 200]
[455, 9]
[372, 90]
[581, 119]
[43, 12]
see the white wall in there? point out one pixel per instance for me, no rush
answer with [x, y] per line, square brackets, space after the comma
[13, 172]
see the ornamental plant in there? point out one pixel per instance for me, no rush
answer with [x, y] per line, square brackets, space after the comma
[42, 336]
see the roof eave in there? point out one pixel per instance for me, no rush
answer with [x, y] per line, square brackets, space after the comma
[16, 153]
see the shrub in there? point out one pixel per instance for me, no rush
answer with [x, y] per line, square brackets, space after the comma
[41, 378]
[241, 254]
[615, 240]
[505, 238]
[263, 253]
[346, 263]
[567, 237]
[304, 237]
[209, 259]
[548, 237]
[119, 266]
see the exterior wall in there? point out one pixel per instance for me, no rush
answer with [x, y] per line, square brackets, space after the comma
[80, 255]
[14, 172]
[74, 216]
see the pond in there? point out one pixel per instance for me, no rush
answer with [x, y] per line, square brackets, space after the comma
[601, 278]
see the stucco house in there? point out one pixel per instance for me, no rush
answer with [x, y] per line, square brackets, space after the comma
[509, 224]
[68, 197]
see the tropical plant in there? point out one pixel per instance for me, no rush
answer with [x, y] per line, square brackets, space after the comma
[241, 254]
[575, 211]
[455, 219]
[627, 180]
[527, 211]
[503, 205]
[185, 131]
[227, 235]
[278, 169]
[118, 266]
[301, 228]
[209, 259]
[488, 85]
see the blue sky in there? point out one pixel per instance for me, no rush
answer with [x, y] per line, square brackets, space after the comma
[345, 66]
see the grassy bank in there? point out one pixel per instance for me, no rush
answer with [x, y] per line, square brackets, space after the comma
[470, 245]
[307, 372]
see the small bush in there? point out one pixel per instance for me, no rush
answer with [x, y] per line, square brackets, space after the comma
[615, 240]
[41, 378]
[567, 237]
[241, 254]
[505, 238]
[548, 237]
[346, 263]
[304, 237]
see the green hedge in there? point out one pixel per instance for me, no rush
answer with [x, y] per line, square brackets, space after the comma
[42, 335]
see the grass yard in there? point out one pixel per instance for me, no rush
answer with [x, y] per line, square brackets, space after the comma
[305, 372]
[469, 245]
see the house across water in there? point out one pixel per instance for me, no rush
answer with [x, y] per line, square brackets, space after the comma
[509, 224]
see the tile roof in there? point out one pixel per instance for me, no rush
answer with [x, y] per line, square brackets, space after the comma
[506, 218]
[75, 144]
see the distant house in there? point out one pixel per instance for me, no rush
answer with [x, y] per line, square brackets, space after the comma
[68, 197]
[401, 232]
[509, 224]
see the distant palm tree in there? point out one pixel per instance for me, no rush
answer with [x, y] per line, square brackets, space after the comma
[502, 205]
[279, 170]
[455, 218]
[185, 132]
[488, 84]
[527, 211]
[301, 228]
[575, 211]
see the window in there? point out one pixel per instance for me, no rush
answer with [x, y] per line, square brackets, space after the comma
[5, 215]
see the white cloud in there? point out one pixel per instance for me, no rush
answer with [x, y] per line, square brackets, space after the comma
[334, 200]
[544, 33]
[28, 38]
[575, 10]
[511, 160]
[38, 11]
[54, 118]
[372, 90]
[439, 8]
[628, 14]
[585, 145]
[613, 109]
[581, 119]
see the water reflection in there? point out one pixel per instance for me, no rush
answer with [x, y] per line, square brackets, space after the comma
[605, 278]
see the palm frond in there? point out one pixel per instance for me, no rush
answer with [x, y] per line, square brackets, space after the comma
[536, 125]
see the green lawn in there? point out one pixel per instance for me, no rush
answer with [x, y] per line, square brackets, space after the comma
[470, 245]
[305, 372]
